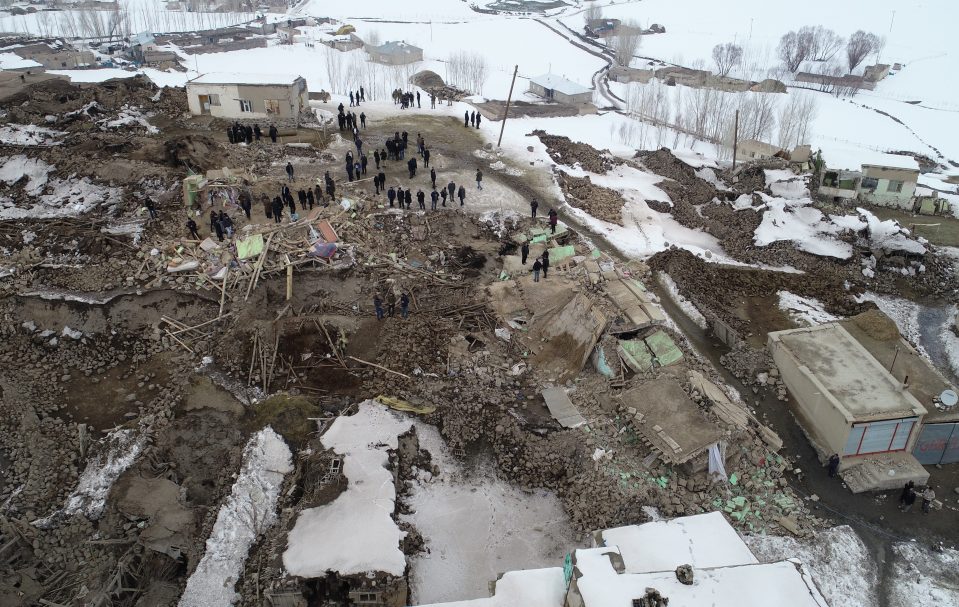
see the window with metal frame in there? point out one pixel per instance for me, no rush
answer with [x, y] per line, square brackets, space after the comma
[246, 105]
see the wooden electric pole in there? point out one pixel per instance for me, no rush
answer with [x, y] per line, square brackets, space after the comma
[509, 98]
[735, 139]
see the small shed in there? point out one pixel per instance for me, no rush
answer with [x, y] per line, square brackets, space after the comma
[556, 88]
[395, 53]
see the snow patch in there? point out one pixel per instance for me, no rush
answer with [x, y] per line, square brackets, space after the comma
[34, 169]
[128, 117]
[903, 312]
[29, 135]
[805, 311]
[924, 577]
[247, 512]
[688, 307]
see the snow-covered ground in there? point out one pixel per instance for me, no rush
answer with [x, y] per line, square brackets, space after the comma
[805, 311]
[247, 512]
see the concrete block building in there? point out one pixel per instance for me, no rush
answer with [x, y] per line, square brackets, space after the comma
[395, 53]
[556, 88]
[247, 96]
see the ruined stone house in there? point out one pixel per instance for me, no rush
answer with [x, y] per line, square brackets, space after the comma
[246, 96]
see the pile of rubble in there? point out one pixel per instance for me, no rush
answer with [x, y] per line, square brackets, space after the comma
[601, 203]
[564, 151]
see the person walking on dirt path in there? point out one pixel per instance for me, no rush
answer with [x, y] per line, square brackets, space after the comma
[411, 165]
[357, 168]
[524, 252]
[553, 220]
[273, 133]
[408, 194]
[257, 133]
[479, 117]
[443, 195]
[301, 196]
[309, 198]
[421, 199]
[267, 206]
[277, 209]
[191, 225]
[833, 465]
[405, 304]
[928, 496]
[289, 170]
[363, 163]
[462, 194]
[434, 198]
[363, 119]
[378, 306]
[357, 99]
[400, 196]
[376, 159]
[418, 106]
[545, 263]
[537, 266]
[466, 119]
[349, 168]
[391, 195]
[317, 193]
[479, 179]
[451, 187]
[433, 176]
[426, 157]
[904, 498]
[533, 205]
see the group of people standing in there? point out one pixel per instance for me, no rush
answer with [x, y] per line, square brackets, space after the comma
[390, 310]
[240, 133]
[472, 119]
[349, 120]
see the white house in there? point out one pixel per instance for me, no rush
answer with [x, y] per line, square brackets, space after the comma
[247, 96]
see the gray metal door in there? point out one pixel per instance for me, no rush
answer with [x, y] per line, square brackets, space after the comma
[938, 444]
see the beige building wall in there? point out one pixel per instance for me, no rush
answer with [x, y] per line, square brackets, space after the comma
[260, 101]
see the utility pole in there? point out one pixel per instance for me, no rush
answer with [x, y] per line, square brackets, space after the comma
[509, 98]
[735, 139]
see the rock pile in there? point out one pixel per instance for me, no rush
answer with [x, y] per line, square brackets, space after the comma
[601, 203]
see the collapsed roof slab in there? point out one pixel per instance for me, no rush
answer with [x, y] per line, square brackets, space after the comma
[669, 420]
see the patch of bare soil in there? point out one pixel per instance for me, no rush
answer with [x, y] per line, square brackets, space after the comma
[601, 203]
[565, 151]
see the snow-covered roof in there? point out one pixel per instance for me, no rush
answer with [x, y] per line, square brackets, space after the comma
[13, 61]
[142, 38]
[528, 588]
[558, 83]
[244, 78]
[703, 540]
[396, 47]
[853, 159]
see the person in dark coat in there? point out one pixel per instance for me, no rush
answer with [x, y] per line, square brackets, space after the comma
[533, 205]
[309, 198]
[479, 179]
[267, 206]
[466, 119]
[524, 252]
[217, 226]
[421, 199]
[229, 135]
[426, 157]
[318, 193]
[273, 133]
[391, 195]
[363, 163]
[191, 225]
[277, 209]
[289, 170]
[376, 159]
[451, 188]
[257, 133]
[418, 100]
[301, 196]
[537, 266]
[363, 119]
[433, 177]
[249, 134]
[411, 165]
[213, 219]
[362, 94]
[405, 304]
[479, 117]
[545, 262]
[443, 194]
[409, 198]
[553, 220]
[907, 490]
[246, 203]
[472, 118]
[152, 208]
[833, 464]
[291, 203]
[378, 306]
[349, 168]
[434, 198]
[226, 223]
[462, 194]
[351, 98]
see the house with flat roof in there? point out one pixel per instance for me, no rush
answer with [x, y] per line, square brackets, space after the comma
[848, 402]
[556, 88]
[395, 52]
[877, 178]
[247, 96]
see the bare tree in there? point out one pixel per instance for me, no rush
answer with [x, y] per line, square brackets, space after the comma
[825, 43]
[593, 12]
[793, 49]
[726, 57]
[627, 41]
[466, 71]
[860, 45]
[334, 68]
[373, 38]
[794, 118]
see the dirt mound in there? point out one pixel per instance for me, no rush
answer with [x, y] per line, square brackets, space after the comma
[565, 151]
[602, 203]
[428, 79]
[197, 152]
[877, 325]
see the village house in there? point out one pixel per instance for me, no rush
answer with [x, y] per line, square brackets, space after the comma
[395, 53]
[11, 62]
[55, 58]
[556, 88]
[886, 180]
[247, 96]
[345, 42]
